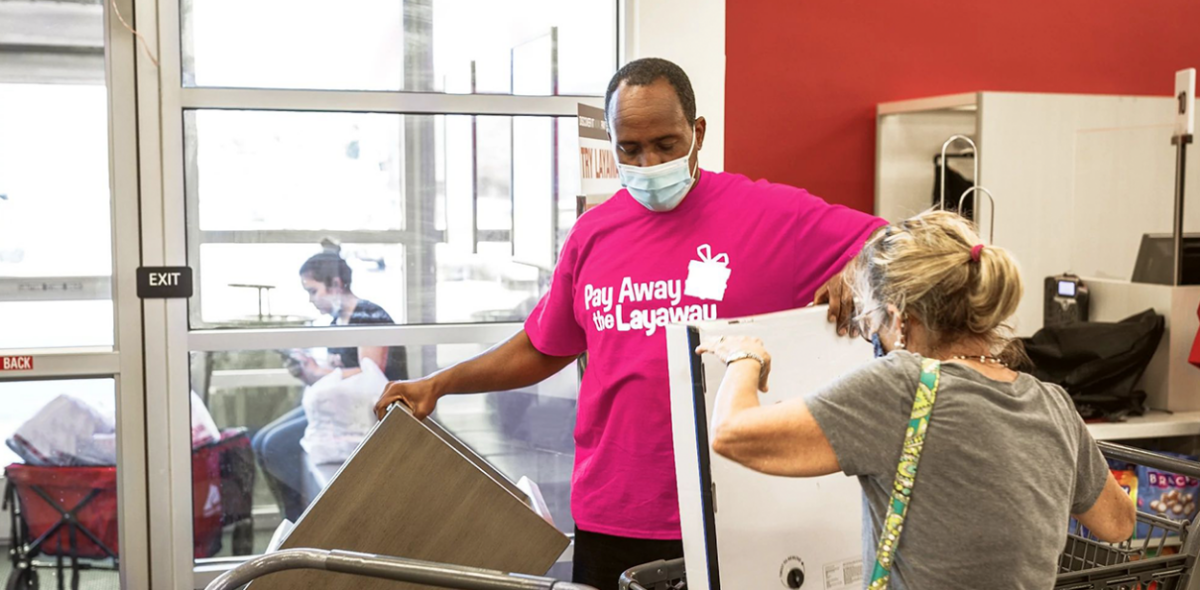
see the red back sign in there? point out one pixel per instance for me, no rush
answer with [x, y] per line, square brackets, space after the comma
[16, 363]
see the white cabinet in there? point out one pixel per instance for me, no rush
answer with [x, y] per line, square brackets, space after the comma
[1077, 178]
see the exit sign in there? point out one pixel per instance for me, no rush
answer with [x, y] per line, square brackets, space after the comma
[16, 363]
[164, 282]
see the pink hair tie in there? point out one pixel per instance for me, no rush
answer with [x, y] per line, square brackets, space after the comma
[976, 252]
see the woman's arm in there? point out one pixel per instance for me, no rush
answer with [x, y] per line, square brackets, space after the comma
[1113, 517]
[783, 439]
[377, 354]
[303, 367]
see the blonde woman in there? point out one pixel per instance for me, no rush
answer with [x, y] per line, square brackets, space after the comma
[1006, 459]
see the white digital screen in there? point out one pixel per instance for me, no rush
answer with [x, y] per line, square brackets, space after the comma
[1066, 288]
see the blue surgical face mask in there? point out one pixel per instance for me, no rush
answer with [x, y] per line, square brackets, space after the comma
[662, 187]
[878, 344]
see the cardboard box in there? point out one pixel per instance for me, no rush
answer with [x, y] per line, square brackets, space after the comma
[412, 490]
[741, 528]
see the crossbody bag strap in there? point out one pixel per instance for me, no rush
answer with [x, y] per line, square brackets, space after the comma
[906, 472]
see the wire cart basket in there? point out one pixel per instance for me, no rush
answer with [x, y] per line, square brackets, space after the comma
[64, 519]
[1162, 558]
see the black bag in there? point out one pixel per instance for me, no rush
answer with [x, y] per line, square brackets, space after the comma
[1098, 363]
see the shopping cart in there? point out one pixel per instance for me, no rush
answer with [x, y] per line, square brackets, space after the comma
[69, 514]
[1161, 559]
[438, 575]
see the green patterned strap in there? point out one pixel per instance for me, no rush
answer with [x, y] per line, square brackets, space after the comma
[906, 472]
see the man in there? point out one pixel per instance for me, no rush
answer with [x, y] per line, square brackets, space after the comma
[678, 244]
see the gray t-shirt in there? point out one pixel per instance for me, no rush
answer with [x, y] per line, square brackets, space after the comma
[1003, 468]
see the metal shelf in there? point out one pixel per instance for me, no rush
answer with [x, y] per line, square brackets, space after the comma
[967, 101]
[1153, 425]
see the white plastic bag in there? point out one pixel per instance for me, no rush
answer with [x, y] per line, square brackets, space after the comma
[66, 432]
[204, 428]
[341, 412]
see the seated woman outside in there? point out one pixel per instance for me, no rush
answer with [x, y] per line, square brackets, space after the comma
[327, 278]
[1006, 459]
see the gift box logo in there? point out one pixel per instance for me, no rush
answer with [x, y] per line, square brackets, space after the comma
[709, 276]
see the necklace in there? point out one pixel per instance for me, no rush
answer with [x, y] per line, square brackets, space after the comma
[987, 360]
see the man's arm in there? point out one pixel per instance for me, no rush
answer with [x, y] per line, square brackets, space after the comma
[512, 364]
[840, 296]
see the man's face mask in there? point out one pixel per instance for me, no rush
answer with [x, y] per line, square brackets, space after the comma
[662, 187]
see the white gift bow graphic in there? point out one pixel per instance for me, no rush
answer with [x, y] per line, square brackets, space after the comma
[706, 256]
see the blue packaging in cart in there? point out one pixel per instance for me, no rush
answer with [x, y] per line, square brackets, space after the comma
[1166, 494]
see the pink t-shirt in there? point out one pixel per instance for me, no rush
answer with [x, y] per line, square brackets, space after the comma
[732, 248]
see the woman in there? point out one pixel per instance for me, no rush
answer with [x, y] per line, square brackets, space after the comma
[327, 279]
[1006, 459]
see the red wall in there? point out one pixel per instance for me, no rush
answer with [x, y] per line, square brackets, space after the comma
[803, 77]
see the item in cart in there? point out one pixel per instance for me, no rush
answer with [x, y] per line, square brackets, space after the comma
[204, 428]
[1166, 494]
[67, 432]
[1127, 478]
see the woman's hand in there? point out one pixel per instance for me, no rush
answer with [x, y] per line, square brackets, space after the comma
[304, 367]
[728, 348]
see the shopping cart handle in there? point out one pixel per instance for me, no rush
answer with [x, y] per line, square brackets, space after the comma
[1149, 459]
[439, 575]
[652, 575]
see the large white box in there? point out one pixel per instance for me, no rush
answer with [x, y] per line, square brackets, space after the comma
[743, 529]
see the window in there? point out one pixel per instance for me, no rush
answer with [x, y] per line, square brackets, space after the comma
[421, 207]
[452, 46]
[61, 418]
[391, 180]
[523, 433]
[54, 119]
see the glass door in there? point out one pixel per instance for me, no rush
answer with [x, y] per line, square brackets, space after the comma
[71, 395]
[364, 194]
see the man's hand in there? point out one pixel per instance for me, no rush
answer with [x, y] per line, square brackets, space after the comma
[840, 298]
[420, 397]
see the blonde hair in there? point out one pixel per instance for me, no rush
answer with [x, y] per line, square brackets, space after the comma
[924, 266]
